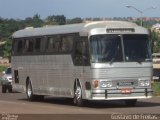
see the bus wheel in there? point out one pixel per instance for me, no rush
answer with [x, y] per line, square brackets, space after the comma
[4, 89]
[10, 89]
[78, 94]
[29, 91]
[131, 102]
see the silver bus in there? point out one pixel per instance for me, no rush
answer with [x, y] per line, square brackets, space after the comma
[104, 60]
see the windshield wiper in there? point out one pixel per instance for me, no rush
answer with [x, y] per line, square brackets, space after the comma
[139, 60]
[148, 60]
[112, 60]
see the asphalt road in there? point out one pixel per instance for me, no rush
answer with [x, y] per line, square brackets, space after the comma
[12, 104]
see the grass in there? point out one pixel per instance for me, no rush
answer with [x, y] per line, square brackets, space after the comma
[156, 88]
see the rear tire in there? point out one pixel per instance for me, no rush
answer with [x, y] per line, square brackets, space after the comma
[4, 89]
[10, 89]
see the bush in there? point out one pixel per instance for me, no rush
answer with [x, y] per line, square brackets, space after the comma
[2, 68]
[156, 88]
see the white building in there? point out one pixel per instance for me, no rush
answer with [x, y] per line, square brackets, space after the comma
[156, 28]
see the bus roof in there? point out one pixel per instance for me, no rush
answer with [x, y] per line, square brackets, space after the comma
[81, 28]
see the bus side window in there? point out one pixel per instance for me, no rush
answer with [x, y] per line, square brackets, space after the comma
[37, 45]
[14, 47]
[67, 43]
[30, 49]
[53, 44]
[20, 46]
[50, 44]
[81, 55]
[28, 46]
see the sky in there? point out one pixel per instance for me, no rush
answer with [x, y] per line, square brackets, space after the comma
[21, 9]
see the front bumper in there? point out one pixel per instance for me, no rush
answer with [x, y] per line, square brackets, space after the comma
[6, 83]
[116, 94]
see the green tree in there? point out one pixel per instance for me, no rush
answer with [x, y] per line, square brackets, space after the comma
[60, 19]
[50, 20]
[34, 21]
[155, 40]
[75, 20]
[7, 48]
[37, 22]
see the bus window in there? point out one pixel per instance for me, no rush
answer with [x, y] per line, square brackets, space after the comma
[28, 46]
[106, 48]
[53, 44]
[37, 44]
[81, 53]
[67, 43]
[136, 47]
[30, 49]
[20, 46]
[14, 47]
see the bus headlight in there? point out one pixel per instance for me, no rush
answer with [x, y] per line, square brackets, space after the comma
[105, 84]
[144, 83]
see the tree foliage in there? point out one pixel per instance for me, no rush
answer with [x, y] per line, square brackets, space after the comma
[7, 48]
[75, 20]
[155, 40]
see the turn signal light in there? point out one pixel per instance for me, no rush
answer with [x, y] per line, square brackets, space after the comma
[95, 83]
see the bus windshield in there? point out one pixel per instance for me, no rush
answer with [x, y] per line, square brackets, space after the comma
[8, 71]
[108, 48]
[136, 48]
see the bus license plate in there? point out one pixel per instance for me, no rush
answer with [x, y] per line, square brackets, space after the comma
[126, 91]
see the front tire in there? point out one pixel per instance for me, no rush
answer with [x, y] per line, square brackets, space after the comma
[30, 95]
[29, 91]
[78, 94]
